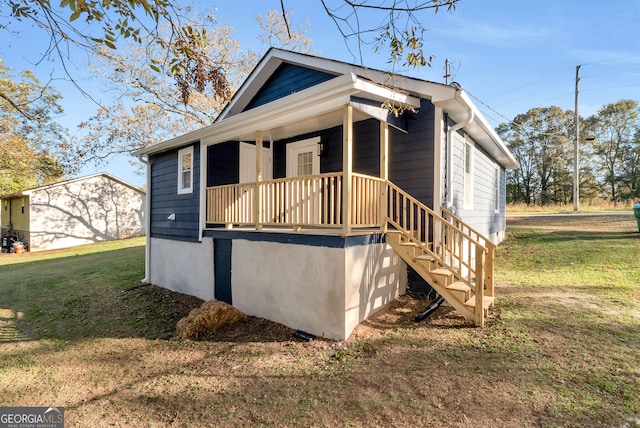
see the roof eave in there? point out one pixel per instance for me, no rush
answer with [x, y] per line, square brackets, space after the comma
[458, 106]
[304, 105]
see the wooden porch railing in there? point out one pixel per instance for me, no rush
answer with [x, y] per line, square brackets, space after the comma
[310, 201]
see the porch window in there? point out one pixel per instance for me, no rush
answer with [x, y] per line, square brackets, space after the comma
[468, 176]
[185, 170]
[305, 163]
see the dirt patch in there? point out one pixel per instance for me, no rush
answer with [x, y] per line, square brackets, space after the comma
[400, 313]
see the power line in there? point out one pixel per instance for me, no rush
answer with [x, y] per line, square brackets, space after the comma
[611, 59]
[529, 83]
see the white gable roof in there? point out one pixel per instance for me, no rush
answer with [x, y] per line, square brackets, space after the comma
[322, 104]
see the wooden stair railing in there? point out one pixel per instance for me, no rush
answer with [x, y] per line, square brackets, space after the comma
[445, 252]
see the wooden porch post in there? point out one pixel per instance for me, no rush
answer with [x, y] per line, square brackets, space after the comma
[257, 197]
[384, 173]
[347, 167]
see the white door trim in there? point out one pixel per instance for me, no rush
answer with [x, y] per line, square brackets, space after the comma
[310, 144]
[247, 165]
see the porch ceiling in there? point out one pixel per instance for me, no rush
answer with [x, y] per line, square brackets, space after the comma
[299, 127]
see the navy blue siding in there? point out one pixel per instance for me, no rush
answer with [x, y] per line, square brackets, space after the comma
[223, 164]
[366, 149]
[411, 155]
[293, 238]
[165, 199]
[286, 80]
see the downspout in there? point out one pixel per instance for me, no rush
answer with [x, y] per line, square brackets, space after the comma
[147, 220]
[449, 137]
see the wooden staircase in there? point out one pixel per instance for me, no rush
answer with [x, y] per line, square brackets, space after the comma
[453, 258]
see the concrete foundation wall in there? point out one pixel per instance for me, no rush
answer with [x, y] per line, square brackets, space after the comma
[299, 286]
[322, 290]
[185, 267]
[375, 277]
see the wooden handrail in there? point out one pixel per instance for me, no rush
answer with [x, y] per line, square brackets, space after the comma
[310, 201]
[448, 215]
[467, 258]
[489, 261]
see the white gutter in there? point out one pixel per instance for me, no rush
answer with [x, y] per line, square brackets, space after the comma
[147, 220]
[450, 131]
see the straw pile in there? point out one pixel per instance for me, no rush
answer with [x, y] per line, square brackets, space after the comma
[206, 319]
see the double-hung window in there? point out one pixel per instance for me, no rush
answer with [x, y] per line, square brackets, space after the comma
[185, 170]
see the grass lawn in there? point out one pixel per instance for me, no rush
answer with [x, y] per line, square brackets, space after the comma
[560, 349]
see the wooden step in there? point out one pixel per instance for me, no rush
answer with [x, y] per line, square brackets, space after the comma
[442, 271]
[459, 286]
[459, 290]
[426, 258]
[487, 301]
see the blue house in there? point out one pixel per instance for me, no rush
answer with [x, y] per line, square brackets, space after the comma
[316, 188]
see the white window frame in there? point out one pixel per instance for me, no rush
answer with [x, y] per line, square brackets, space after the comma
[181, 188]
[468, 178]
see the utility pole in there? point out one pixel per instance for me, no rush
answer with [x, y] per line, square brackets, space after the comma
[576, 151]
[446, 71]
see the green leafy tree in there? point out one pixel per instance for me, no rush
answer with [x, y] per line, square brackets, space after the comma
[539, 139]
[615, 148]
[631, 170]
[28, 132]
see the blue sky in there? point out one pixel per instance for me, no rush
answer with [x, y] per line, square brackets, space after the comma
[509, 55]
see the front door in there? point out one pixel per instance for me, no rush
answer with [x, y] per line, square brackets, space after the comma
[248, 163]
[305, 197]
[302, 158]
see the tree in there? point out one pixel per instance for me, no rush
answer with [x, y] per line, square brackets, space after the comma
[149, 109]
[631, 170]
[26, 159]
[277, 32]
[108, 22]
[539, 139]
[615, 147]
[182, 50]
[396, 26]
